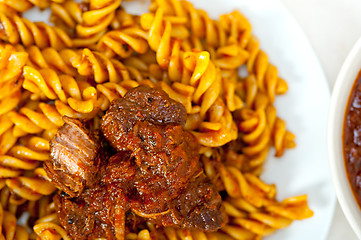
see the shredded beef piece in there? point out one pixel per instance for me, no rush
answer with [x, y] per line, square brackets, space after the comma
[74, 157]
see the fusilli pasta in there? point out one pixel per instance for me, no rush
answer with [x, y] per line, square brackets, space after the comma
[94, 54]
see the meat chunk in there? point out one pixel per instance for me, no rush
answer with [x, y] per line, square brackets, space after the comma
[165, 183]
[165, 152]
[163, 160]
[74, 161]
[200, 205]
[140, 104]
[86, 216]
[69, 216]
[155, 175]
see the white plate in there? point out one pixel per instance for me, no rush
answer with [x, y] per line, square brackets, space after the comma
[303, 170]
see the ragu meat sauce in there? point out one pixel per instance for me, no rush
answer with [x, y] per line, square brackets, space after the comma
[352, 138]
[150, 170]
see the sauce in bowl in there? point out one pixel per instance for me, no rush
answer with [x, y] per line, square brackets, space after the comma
[352, 138]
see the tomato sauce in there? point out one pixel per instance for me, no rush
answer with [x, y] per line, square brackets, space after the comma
[352, 138]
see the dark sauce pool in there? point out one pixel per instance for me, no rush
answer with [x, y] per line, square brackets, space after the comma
[352, 138]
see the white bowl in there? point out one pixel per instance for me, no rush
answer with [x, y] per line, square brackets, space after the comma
[339, 99]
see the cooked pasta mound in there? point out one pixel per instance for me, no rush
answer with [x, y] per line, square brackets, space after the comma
[92, 53]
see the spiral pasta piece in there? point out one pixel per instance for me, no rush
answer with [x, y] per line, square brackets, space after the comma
[66, 14]
[11, 202]
[232, 100]
[265, 73]
[7, 10]
[49, 230]
[11, 62]
[262, 127]
[257, 133]
[7, 139]
[30, 188]
[94, 22]
[11, 68]
[98, 17]
[10, 228]
[282, 138]
[85, 19]
[122, 20]
[123, 42]
[20, 30]
[101, 68]
[70, 96]
[252, 206]
[108, 92]
[24, 5]
[58, 60]
[226, 132]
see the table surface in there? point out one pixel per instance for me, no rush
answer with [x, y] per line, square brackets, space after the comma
[332, 27]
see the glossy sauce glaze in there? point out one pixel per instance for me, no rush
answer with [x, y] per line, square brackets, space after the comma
[352, 139]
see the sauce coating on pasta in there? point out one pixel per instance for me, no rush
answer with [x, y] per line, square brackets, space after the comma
[62, 75]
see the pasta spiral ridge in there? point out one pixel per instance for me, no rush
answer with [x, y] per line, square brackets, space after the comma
[123, 42]
[24, 5]
[24, 155]
[262, 127]
[8, 209]
[16, 30]
[66, 15]
[50, 230]
[100, 68]
[265, 73]
[58, 60]
[11, 68]
[95, 21]
[31, 188]
[72, 98]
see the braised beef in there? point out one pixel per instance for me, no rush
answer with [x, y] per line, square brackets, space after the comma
[74, 157]
[155, 176]
[140, 104]
[200, 204]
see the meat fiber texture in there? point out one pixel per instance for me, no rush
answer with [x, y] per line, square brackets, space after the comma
[74, 154]
[154, 173]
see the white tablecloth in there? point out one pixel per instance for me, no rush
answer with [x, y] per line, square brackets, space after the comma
[332, 26]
